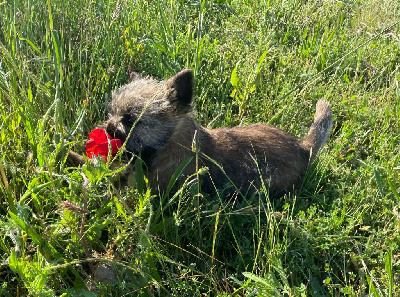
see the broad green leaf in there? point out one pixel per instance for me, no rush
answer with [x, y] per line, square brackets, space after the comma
[234, 77]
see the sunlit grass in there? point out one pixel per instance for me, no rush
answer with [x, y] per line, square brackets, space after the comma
[76, 231]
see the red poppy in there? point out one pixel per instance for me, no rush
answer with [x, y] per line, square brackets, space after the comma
[98, 144]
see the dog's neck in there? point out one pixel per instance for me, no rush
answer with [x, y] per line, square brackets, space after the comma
[182, 145]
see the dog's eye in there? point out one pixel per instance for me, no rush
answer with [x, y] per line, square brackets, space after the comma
[128, 120]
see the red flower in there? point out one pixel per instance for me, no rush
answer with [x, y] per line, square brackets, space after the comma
[98, 144]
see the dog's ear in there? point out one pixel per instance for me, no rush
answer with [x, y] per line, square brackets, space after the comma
[182, 90]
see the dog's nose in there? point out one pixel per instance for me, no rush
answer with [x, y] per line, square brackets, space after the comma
[109, 127]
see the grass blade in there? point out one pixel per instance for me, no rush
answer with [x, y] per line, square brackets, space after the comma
[389, 266]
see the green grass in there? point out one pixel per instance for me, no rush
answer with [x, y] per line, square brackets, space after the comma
[254, 61]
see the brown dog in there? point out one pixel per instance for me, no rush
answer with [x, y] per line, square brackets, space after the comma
[153, 118]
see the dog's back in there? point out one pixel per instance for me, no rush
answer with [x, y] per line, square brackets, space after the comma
[262, 155]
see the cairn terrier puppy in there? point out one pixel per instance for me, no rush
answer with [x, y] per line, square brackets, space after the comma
[154, 119]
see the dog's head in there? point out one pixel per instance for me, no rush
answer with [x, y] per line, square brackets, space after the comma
[144, 112]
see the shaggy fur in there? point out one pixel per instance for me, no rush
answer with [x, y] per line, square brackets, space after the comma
[153, 118]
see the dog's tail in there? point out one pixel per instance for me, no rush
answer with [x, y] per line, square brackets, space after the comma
[319, 131]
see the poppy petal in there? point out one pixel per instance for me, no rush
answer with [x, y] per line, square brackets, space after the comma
[99, 143]
[90, 144]
[115, 145]
[98, 134]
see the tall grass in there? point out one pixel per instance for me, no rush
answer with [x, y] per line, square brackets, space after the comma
[75, 231]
